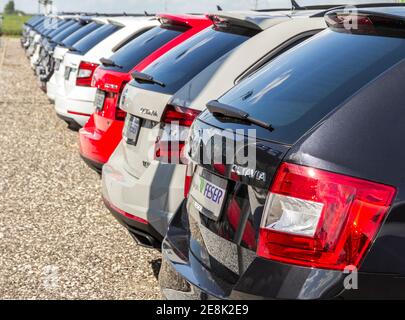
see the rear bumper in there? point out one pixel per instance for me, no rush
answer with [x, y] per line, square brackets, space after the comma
[94, 165]
[183, 276]
[78, 104]
[77, 111]
[154, 197]
[144, 234]
[71, 122]
[97, 145]
[52, 88]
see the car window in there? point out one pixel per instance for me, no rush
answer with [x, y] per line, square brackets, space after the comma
[300, 87]
[88, 42]
[182, 63]
[67, 31]
[193, 89]
[60, 27]
[37, 22]
[142, 46]
[185, 96]
[49, 25]
[79, 34]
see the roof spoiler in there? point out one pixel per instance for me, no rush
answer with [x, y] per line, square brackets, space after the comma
[223, 20]
[183, 20]
[358, 6]
[366, 22]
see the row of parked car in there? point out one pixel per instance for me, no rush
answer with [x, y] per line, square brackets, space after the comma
[261, 151]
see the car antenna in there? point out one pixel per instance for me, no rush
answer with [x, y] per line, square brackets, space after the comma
[296, 6]
[219, 8]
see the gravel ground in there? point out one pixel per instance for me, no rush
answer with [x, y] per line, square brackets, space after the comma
[57, 241]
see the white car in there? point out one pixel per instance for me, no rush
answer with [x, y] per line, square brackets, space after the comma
[74, 102]
[57, 79]
[142, 185]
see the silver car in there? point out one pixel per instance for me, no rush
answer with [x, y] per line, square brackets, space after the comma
[145, 178]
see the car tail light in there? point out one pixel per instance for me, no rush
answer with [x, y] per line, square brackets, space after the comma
[177, 120]
[183, 116]
[119, 113]
[85, 74]
[320, 219]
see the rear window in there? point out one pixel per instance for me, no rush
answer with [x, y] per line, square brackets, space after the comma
[67, 31]
[41, 27]
[37, 21]
[142, 46]
[60, 27]
[88, 42]
[79, 34]
[182, 63]
[299, 88]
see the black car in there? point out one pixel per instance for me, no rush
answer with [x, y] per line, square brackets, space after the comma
[311, 205]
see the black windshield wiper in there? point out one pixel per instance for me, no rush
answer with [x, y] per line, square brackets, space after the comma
[216, 107]
[71, 48]
[109, 63]
[143, 77]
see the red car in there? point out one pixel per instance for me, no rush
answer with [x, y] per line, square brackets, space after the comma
[103, 132]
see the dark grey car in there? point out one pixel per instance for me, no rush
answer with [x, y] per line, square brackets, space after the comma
[323, 204]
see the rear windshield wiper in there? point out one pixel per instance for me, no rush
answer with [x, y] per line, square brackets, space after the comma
[71, 48]
[143, 77]
[109, 63]
[216, 107]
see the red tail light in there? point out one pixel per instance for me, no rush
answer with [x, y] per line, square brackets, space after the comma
[119, 113]
[183, 116]
[320, 219]
[169, 147]
[85, 73]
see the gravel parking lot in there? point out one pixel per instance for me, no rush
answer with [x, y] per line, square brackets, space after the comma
[57, 241]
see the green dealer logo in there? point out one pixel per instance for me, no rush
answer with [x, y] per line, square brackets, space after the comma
[202, 185]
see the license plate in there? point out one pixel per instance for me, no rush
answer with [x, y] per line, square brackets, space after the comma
[57, 64]
[67, 73]
[99, 101]
[208, 192]
[131, 129]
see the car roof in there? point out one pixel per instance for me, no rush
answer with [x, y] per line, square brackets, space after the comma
[128, 20]
[103, 20]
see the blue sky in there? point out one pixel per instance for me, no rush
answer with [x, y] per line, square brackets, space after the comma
[160, 5]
